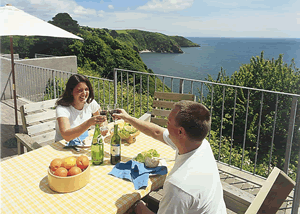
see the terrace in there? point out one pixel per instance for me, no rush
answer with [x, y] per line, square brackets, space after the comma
[229, 104]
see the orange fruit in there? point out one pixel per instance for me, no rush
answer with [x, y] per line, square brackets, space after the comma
[82, 162]
[55, 164]
[61, 171]
[69, 162]
[74, 171]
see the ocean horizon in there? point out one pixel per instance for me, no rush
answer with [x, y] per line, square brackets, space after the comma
[214, 53]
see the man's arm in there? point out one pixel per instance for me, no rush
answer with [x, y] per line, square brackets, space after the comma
[146, 127]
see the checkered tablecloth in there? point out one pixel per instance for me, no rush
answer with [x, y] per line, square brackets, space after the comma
[25, 189]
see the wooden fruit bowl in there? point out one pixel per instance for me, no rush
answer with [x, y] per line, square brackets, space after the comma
[132, 137]
[69, 183]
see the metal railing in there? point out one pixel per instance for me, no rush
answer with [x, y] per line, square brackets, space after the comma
[37, 83]
[231, 105]
[42, 55]
[7, 87]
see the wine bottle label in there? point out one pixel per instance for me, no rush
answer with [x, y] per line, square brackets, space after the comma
[115, 150]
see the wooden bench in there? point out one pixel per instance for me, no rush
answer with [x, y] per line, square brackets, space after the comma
[163, 104]
[273, 192]
[38, 125]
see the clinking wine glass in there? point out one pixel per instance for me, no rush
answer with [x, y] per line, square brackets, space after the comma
[104, 127]
[113, 109]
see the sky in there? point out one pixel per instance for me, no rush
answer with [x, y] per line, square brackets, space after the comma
[188, 18]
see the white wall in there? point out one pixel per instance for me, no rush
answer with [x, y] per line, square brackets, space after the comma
[61, 63]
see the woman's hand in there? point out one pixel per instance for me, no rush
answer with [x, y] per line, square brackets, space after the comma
[97, 119]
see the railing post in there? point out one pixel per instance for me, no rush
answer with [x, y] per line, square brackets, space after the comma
[296, 198]
[290, 135]
[7, 82]
[54, 84]
[181, 84]
[141, 82]
[115, 86]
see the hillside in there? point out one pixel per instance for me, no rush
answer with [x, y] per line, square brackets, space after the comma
[183, 42]
[155, 42]
[103, 53]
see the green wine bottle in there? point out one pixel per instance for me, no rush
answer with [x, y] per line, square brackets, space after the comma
[115, 147]
[97, 148]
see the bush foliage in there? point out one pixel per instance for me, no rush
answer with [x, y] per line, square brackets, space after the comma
[273, 75]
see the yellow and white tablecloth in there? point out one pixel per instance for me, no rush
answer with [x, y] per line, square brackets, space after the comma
[25, 189]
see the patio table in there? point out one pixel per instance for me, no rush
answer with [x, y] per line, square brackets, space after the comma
[25, 188]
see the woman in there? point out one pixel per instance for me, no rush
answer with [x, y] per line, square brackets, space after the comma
[76, 110]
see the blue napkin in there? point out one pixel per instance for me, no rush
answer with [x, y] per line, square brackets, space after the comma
[136, 172]
[76, 142]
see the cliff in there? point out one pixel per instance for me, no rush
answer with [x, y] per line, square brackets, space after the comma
[154, 42]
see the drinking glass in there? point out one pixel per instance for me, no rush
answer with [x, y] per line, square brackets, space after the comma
[112, 108]
[104, 127]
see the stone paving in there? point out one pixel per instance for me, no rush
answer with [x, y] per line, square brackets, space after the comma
[8, 126]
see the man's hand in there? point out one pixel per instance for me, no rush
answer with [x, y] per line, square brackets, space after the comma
[146, 127]
[140, 207]
[122, 114]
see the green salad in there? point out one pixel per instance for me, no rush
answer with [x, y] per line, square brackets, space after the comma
[127, 131]
[151, 154]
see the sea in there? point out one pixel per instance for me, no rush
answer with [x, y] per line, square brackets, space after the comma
[214, 53]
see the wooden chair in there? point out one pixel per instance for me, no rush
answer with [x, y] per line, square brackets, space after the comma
[38, 125]
[269, 199]
[272, 194]
[163, 104]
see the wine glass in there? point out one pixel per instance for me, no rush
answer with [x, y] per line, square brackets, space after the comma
[112, 108]
[104, 127]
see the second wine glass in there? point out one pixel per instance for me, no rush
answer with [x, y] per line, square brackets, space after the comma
[112, 108]
[104, 127]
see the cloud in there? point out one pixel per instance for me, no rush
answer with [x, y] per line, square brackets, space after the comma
[47, 9]
[166, 5]
[130, 16]
[100, 13]
[242, 24]
[228, 23]
[238, 24]
[110, 6]
[79, 10]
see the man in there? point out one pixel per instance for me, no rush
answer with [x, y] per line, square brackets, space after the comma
[193, 185]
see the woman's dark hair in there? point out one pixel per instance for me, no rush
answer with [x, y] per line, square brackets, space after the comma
[67, 98]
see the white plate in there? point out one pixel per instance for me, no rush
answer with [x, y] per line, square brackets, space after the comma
[162, 162]
[87, 142]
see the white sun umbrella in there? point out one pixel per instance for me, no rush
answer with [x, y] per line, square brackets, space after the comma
[15, 22]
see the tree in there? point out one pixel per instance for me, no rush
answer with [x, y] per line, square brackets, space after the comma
[57, 46]
[65, 21]
[21, 44]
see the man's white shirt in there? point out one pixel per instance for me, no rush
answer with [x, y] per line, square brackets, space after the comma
[193, 185]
